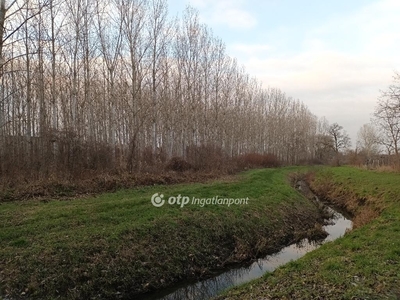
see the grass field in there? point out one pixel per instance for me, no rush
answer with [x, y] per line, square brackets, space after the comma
[365, 264]
[119, 244]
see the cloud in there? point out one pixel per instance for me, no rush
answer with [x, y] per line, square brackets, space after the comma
[337, 69]
[235, 18]
[342, 87]
[225, 12]
[250, 50]
[374, 27]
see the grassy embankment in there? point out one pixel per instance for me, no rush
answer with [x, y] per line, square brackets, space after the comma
[118, 244]
[365, 264]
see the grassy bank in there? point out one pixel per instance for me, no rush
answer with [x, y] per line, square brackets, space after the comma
[364, 264]
[119, 244]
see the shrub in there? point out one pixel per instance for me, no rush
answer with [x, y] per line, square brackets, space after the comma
[206, 157]
[178, 164]
[256, 160]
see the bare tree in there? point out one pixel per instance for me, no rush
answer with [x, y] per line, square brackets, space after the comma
[387, 117]
[158, 31]
[100, 85]
[340, 138]
[368, 140]
[110, 47]
[134, 47]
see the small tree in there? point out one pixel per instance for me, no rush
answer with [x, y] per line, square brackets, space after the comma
[368, 140]
[387, 117]
[323, 147]
[341, 140]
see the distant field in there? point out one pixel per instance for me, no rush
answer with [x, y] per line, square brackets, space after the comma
[365, 264]
[119, 244]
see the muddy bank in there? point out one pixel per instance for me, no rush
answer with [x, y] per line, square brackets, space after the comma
[360, 208]
[292, 228]
[337, 226]
[219, 248]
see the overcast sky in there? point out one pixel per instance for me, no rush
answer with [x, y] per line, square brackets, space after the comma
[335, 55]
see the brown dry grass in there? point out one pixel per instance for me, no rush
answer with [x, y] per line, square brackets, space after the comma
[56, 187]
[387, 169]
[61, 184]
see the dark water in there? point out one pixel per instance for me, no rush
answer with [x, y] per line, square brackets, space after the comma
[209, 288]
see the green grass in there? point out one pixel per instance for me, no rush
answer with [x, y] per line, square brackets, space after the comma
[119, 242]
[364, 264]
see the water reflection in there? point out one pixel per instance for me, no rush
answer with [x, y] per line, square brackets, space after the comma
[209, 288]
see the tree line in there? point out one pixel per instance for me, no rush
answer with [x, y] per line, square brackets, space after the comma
[120, 85]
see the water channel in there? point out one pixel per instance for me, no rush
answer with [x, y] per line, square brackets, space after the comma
[211, 287]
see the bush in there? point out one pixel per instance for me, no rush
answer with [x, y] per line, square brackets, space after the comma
[256, 160]
[153, 159]
[178, 164]
[206, 157]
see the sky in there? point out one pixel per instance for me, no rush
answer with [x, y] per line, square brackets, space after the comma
[335, 56]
